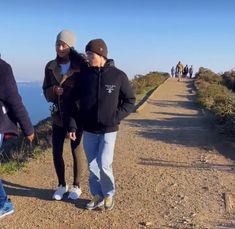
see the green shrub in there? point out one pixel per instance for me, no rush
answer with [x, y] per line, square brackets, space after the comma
[141, 83]
[207, 75]
[16, 151]
[10, 167]
[229, 80]
[212, 94]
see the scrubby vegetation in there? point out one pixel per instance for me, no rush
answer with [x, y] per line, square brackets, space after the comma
[144, 84]
[17, 150]
[214, 93]
[229, 80]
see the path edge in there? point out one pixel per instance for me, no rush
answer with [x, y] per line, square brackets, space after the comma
[141, 105]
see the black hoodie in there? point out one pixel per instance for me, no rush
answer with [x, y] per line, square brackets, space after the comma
[101, 99]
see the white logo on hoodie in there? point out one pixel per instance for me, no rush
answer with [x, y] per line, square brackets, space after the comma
[4, 110]
[110, 88]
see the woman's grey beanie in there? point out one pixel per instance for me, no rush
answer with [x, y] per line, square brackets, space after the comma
[68, 37]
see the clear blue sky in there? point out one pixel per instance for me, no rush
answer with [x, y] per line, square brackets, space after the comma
[142, 36]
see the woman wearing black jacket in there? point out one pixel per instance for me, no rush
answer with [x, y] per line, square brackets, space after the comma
[102, 98]
[60, 78]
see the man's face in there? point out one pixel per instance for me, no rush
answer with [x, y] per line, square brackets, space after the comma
[93, 59]
[62, 49]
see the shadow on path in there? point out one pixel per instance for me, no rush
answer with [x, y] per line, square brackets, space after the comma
[190, 130]
[38, 193]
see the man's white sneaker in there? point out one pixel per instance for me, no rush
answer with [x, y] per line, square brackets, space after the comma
[74, 193]
[60, 191]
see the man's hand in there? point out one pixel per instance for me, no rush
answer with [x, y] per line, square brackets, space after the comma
[72, 136]
[58, 90]
[30, 137]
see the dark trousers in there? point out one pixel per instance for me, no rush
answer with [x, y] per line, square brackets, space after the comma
[58, 137]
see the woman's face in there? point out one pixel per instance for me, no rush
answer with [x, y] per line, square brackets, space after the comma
[93, 59]
[62, 49]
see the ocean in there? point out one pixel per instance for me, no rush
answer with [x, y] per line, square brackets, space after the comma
[34, 100]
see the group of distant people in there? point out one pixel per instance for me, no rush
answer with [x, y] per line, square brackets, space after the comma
[182, 71]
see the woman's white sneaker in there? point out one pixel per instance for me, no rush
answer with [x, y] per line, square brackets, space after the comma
[60, 191]
[75, 193]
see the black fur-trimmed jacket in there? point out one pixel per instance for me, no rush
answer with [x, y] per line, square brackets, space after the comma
[54, 78]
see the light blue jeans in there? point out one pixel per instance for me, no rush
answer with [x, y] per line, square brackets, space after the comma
[3, 196]
[99, 149]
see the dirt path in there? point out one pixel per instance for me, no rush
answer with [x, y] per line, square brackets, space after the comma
[172, 171]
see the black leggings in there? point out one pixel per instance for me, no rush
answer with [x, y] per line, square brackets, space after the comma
[58, 137]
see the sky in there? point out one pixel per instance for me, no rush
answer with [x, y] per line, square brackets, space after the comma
[142, 36]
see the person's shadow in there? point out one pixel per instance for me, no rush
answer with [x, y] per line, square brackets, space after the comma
[43, 194]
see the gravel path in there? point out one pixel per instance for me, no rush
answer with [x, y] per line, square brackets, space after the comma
[172, 171]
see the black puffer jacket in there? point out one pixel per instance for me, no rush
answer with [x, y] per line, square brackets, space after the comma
[104, 97]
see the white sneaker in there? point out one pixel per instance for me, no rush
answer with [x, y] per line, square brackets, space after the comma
[60, 191]
[74, 193]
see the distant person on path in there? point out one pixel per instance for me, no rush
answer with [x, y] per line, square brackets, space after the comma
[185, 72]
[12, 112]
[180, 68]
[172, 72]
[191, 71]
[104, 97]
[60, 77]
[176, 72]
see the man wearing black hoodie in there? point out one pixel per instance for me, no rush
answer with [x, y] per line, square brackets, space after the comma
[102, 98]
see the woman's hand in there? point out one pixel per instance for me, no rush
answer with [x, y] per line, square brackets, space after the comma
[58, 90]
[72, 136]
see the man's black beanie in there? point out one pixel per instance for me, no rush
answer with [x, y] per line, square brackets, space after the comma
[97, 46]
